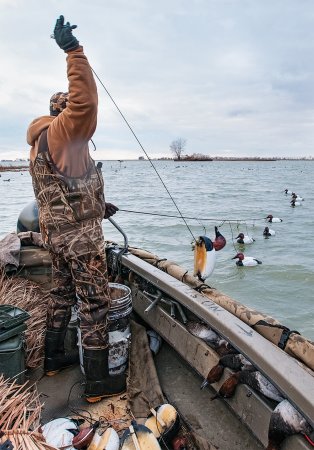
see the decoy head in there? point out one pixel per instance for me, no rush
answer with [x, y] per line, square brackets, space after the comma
[240, 236]
[239, 256]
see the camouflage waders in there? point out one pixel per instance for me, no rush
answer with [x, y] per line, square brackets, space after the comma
[70, 215]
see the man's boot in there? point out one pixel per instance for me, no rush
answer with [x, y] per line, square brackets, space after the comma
[99, 383]
[56, 358]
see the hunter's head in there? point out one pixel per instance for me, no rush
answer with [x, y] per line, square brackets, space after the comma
[58, 103]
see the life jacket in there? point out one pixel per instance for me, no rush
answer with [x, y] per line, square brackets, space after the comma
[63, 201]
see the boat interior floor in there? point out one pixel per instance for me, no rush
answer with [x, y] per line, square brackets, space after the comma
[211, 420]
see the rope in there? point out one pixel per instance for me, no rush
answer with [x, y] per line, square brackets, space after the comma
[138, 141]
[192, 218]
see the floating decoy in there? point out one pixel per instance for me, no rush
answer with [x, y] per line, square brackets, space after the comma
[297, 197]
[268, 232]
[295, 203]
[248, 261]
[244, 239]
[270, 218]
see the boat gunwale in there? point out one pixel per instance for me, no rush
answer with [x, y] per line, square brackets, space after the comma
[290, 376]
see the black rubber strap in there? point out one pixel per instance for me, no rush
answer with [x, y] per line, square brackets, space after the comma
[286, 332]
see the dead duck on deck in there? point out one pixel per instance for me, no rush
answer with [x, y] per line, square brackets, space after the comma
[252, 378]
[232, 361]
[285, 421]
[213, 339]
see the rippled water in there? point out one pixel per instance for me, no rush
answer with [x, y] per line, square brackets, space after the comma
[282, 286]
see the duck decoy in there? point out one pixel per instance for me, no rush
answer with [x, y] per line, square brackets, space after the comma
[244, 239]
[248, 261]
[268, 232]
[270, 218]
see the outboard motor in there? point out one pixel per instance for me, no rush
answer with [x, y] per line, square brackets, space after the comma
[28, 218]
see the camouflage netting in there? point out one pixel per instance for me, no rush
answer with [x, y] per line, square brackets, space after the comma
[27, 295]
[293, 343]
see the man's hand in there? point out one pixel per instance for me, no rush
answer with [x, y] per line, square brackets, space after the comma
[63, 35]
[110, 210]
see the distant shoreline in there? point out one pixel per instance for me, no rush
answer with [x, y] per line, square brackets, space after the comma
[13, 168]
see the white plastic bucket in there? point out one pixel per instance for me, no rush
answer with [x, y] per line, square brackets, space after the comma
[119, 332]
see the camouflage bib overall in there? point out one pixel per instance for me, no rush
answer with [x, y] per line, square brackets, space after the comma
[70, 215]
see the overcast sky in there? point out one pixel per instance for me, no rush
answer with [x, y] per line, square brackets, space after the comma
[232, 77]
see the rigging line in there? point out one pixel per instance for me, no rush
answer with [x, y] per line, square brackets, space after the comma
[138, 141]
[190, 218]
[233, 243]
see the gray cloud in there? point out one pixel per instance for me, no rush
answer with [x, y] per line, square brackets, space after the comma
[230, 76]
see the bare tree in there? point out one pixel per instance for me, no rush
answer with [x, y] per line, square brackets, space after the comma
[177, 147]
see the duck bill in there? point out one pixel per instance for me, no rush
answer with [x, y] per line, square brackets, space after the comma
[204, 384]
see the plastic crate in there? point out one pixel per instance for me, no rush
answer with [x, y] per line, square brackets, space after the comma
[7, 334]
[11, 316]
[12, 358]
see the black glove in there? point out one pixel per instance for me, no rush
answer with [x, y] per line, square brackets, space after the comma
[111, 209]
[63, 35]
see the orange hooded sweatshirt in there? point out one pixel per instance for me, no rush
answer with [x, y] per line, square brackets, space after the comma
[70, 131]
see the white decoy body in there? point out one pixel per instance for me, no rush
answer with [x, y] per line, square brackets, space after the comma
[204, 257]
[297, 197]
[244, 239]
[246, 260]
[205, 254]
[295, 203]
